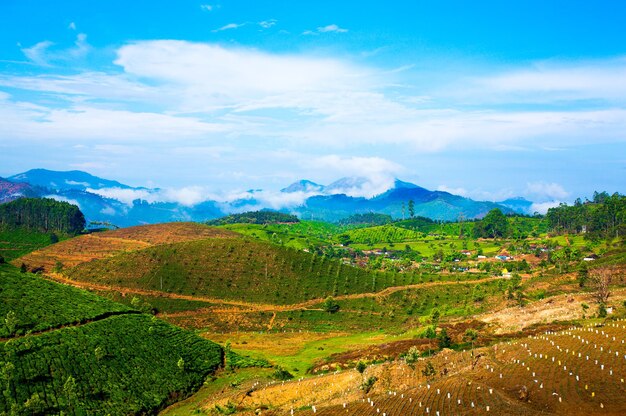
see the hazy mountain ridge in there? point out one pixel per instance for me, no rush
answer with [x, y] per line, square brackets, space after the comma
[101, 201]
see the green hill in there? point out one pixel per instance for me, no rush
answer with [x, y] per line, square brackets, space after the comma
[233, 269]
[66, 351]
[255, 217]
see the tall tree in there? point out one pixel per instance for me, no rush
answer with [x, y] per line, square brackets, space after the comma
[411, 208]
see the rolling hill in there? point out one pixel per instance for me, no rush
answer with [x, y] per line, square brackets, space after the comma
[104, 244]
[231, 269]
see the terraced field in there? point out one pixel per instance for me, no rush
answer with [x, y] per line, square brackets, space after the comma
[574, 371]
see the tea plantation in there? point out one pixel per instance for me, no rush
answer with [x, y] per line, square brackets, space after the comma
[70, 352]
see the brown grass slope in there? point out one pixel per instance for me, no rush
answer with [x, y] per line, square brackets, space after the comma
[105, 244]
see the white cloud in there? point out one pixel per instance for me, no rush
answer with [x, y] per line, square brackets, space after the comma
[211, 92]
[331, 28]
[80, 123]
[108, 211]
[72, 26]
[37, 53]
[229, 26]
[543, 81]
[378, 172]
[266, 24]
[85, 184]
[126, 196]
[543, 207]
[41, 53]
[206, 7]
[546, 191]
[188, 196]
[325, 29]
[451, 190]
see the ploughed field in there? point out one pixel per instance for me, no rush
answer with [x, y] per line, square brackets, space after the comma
[578, 371]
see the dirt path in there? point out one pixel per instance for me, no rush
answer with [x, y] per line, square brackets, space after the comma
[271, 324]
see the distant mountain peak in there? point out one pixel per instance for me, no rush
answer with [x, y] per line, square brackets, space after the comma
[303, 185]
[347, 183]
[398, 184]
[65, 180]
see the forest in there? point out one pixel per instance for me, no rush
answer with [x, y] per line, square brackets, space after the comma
[602, 217]
[41, 215]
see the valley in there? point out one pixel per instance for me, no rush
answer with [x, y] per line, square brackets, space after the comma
[307, 317]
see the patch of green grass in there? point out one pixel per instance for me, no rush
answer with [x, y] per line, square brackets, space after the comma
[222, 381]
[316, 350]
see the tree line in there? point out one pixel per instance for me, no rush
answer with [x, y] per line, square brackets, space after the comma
[602, 217]
[41, 215]
[256, 217]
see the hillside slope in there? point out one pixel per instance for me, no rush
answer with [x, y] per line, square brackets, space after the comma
[100, 245]
[68, 351]
[232, 268]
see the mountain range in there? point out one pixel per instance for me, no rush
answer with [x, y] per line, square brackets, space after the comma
[109, 201]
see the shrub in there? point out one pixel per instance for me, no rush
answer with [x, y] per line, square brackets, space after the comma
[367, 385]
[282, 374]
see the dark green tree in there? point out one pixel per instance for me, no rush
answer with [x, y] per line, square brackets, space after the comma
[444, 339]
[360, 367]
[43, 215]
[494, 225]
[411, 208]
[330, 305]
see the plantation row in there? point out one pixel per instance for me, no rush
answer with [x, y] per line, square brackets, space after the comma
[235, 269]
[16, 243]
[383, 233]
[130, 364]
[29, 303]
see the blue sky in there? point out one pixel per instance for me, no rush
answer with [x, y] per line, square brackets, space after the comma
[488, 99]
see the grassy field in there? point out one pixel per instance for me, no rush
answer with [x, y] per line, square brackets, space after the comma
[298, 351]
